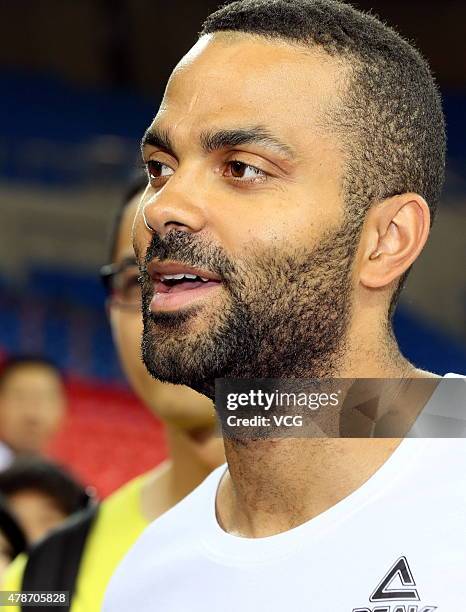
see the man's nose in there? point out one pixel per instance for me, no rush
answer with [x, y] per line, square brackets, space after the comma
[177, 206]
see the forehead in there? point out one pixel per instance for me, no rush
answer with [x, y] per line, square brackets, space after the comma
[230, 79]
[31, 374]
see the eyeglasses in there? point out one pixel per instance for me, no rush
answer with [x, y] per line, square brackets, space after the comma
[121, 283]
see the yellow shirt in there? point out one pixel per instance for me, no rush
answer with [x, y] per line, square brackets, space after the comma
[118, 524]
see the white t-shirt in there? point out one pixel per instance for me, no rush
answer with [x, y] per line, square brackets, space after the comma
[396, 544]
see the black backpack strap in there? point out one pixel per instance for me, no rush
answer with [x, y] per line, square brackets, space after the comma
[53, 563]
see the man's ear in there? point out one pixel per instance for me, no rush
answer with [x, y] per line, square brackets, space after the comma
[395, 233]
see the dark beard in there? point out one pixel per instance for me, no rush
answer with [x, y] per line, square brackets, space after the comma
[285, 315]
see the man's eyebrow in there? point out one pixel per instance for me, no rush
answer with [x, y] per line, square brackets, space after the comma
[214, 140]
[159, 138]
[222, 139]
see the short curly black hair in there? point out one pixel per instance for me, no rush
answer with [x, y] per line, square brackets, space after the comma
[390, 120]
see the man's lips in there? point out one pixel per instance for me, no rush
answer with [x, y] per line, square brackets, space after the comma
[171, 294]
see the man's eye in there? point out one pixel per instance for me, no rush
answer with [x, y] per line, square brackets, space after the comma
[157, 170]
[240, 170]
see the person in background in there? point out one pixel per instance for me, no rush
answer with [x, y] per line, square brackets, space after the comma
[101, 539]
[12, 538]
[32, 406]
[41, 495]
[189, 417]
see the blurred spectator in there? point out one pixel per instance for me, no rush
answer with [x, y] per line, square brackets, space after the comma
[41, 495]
[102, 538]
[189, 417]
[32, 406]
[12, 538]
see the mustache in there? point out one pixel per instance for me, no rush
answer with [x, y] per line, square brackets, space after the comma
[190, 250]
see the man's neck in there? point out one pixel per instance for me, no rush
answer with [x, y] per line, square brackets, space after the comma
[274, 485]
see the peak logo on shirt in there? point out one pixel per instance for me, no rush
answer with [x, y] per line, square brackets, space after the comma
[397, 585]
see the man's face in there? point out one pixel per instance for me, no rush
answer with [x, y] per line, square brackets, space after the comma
[245, 192]
[32, 407]
[127, 322]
